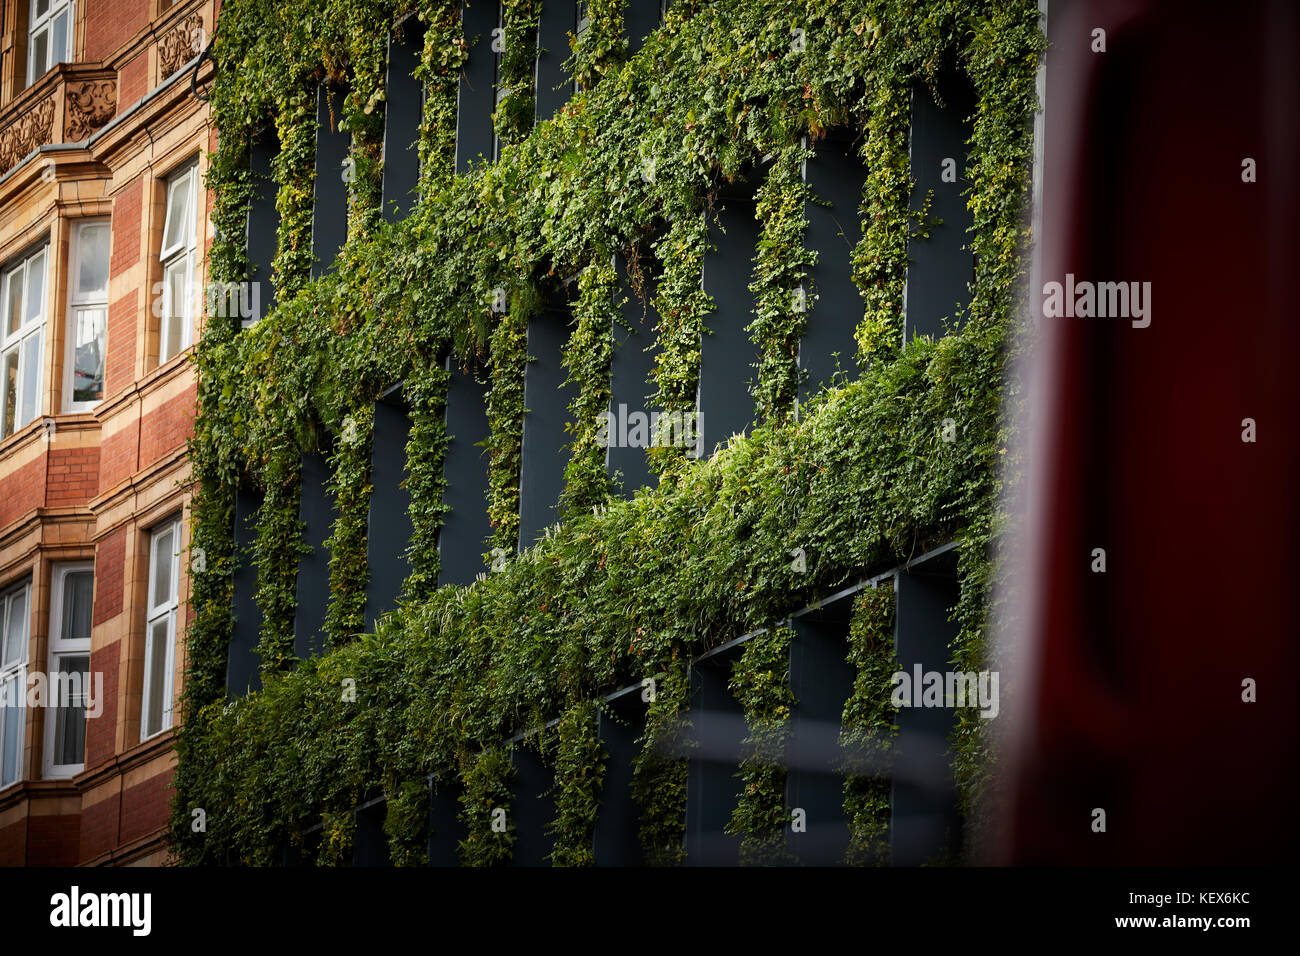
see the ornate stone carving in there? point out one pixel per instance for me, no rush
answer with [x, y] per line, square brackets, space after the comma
[89, 106]
[185, 41]
[29, 131]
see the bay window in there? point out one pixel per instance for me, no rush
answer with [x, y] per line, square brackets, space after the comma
[14, 615]
[87, 315]
[22, 298]
[65, 723]
[160, 628]
[177, 254]
[49, 36]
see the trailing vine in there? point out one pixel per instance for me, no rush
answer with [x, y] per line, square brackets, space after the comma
[587, 357]
[580, 774]
[868, 728]
[761, 683]
[634, 592]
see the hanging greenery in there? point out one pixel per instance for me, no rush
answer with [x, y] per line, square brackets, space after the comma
[636, 590]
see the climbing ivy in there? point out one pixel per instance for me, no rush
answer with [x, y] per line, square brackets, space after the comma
[635, 591]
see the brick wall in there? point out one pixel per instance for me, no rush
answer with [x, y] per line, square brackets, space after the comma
[99, 827]
[145, 807]
[53, 839]
[168, 427]
[13, 844]
[110, 567]
[72, 476]
[21, 490]
[101, 731]
[110, 23]
[132, 82]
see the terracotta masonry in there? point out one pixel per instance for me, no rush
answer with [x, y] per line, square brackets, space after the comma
[102, 145]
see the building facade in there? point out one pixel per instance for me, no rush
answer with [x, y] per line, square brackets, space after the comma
[103, 227]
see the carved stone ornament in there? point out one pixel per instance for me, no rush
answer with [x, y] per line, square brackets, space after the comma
[89, 106]
[29, 131]
[185, 41]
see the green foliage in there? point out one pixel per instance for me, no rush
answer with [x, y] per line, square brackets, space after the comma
[868, 726]
[580, 773]
[761, 683]
[635, 591]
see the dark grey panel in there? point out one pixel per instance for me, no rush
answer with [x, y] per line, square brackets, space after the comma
[727, 355]
[546, 444]
[821, 679]
[465, 528]
[925, 823]
[836, 175]
[389, 530]
[403, 106]
[617, 836]
[712, 788]
[640, 18]
[939, 269]
[369, 844]
[477, 80]
[329, 223]
[554, 84]
[631, 383]
[534, 808]
[263, 218]
[445, 830]
[243, 666]
[316, 509]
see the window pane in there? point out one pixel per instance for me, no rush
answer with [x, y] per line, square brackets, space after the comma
[11, 743]
[162, 570]
[59, 45]
[40, 52]
[174, 316]
[88, 360]
[29, 401]
[14, 301]
[92, 261]
[9, 388]
[70, 718]
[77, 596]
[177, 199]
[155, 676]
[15, 649]
[42, 7]
[35, 287]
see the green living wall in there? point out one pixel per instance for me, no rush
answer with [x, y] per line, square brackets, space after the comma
[860, 479]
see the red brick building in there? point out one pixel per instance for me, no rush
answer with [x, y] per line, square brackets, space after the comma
[103, 224]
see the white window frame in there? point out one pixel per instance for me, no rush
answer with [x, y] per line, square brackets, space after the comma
[29, 334]
[159, 608]
[77, 304]
[179, 252]
[43, 23]
[16, 671]
[60, 647]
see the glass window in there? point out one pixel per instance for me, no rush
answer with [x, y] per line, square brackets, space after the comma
[22, 290]
[87, 316]
[160, 629]
[49, 35]
[69, 687]
[178, 245]
[13, 679]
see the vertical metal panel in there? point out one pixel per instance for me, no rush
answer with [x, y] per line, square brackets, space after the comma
[477, 99]
[316, 511]
[821, 679]
[925, 822]
[640, 18]
[712, 789]
[836, 175]
[329, 224]
[445, 830]
[558, 19]
[389, 529]
[243, 666]
[631, 383]
[369, 843]
[727, 355]
[465, 527]
[617, 837]
[545, 443]
[534, 807]
[939, 269]
[263, 218]
[403, 106]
